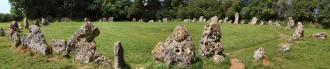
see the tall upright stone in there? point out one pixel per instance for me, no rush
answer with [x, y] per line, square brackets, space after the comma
[16, 39]
[194, 20]
[262, 23]
[290, 24]
[110, 19]
[236, 18]
[36, 22]
[298, 33]
[13, 27]
[200, 19]
[258, 54]
[119, 55]
[254, 21]
[35, 40]
[214, 19]
[26, 23]
[225, 20]
[210, 44]
[270, 22]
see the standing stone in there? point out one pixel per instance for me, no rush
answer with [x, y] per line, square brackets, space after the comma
[13, 27]
[284, 47]
[44, 21]
[236, 18]
[119, 55]
[2, 32]
[104, 19]
[36, 22]
[165, 20]
[194, 20]
[159, 21]
[214, 19]
[16, 39]
[210, 44]
[86, 19]
[290, 24]
[20, 27]
[262, 23]
[277, 24]
[321, 35]
[254, 21]
[204, 20]
[200, 19]
[186, 20]
[100, 20]
[220, 21]
[177, 49]
[259, 53]
[110, 19]
[35, 40]
[230, 21]
[134, 20]
[26, 23]
[242, 22]
[225, 20]
[141, 20]
[151, 21]
[270, 22]
[60, 46]
[298, 33]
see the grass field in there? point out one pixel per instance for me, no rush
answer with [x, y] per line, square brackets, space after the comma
[138, 40]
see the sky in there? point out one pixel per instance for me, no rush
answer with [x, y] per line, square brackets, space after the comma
[4, 6]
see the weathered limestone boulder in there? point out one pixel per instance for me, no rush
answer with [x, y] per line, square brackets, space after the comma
[214, 19]
[321, 35]
[26, 23]
[141, 20]
[104, 19]
[194, 20]
[165, 20]
[60, 46]
[44, 21]
[119, 55]
[177, 49]
[100, 20]
[204, 20]
[290, 24]
[254, 21]
[13, 27]
[210, 44]
[270, 22]
[200, 19]
[298, 33]
[220, 21]
[86, 19]
[103, 60]
[110, 19]
[186, 20]
[35, 40]
[230, 21]
[151, 21]
[236, 18]
[284, 47]
[134, 20]
[258, 54]
[36, 22]
[225, 20]
[277, 24]
[262, 23]
[16, 39]
[2, 32]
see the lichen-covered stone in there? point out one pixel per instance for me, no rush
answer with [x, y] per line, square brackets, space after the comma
[298, 33]
[141, 20]
[194, 20]
[236, 18]
[210, 44]
[35, 40]
[321, 35]
[262, 23]
[36, 22]
[16, 39]
[26, 23]
[119, 55]
[44, 21]
[290, 25]
[60, 46]
[277, 24]
[177, 49]
[200, 19]
[151, 21]
[186, 20]
[258, 54]
[284, 47]
[104, 19]
[110, 19]
[13, 27]
[254, 21]
[2, 32]
[214, 19]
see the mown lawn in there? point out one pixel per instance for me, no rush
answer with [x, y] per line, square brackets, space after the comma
[138, 40]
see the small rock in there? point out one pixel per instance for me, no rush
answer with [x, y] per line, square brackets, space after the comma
[259, 53]
[225, 20]
[60, 46]
[86, 20]
[141, 20]
[16, 39]
[186, 20]
[284, 47]
[298, 33]
[44, 21]
[321, 35]
[262, 23]
[110, 19]
[290, 24]
[165, 20]
[2, 32]
[151, 21]
[236, 18]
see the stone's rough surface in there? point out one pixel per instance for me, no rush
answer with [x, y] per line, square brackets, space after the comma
[284, 47]
[200, 19]
[214, 19]
[298, 33]
[36, 22]
[44, 21]
[270, 22]
[194, 20]
[225, 20]
[236, 18]
[35, 40]
[103, 60]
[134, 20]
[321, 35]
[259, 53]
[60, 46]
[85, 51]
[104, 19]
[2, 32]
[254, 21]
[262, 23]
[26, 23]
[110, 19]
[86, 20]
[151, 21]
[177, 49]
[20, 26]
[141, 20]
[210, 44]
[165, 20]
[186, 20]
[290, 24]
[277, 24]
[13, 27]
[16, 39]
[119, 55]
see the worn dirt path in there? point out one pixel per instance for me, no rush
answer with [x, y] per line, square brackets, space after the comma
[236, 64]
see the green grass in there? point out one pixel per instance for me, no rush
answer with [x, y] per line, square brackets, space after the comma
[138, 40]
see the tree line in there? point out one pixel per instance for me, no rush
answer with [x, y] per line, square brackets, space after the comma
[125, 10]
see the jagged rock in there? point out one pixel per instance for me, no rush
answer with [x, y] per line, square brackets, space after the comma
[141, 20]
[254, 21]
[298, 33]
[119, 55]
[134, 20]
[44, 21]
[194, 20]
[60, 46]
[103, 60]
[236, 18]
[277, 24]
[259, 53]
[178, 48]
[270, 22]
[36, 22]
[214, 19]
[35, 40]
[86, 20]
[225, 20]
[13, 27]
[284, 47]
[290, 24]
[26, 23]
[321, 35]
[200, 19]
[16, 39]
[165, 20]
[151, 21]
[186, 20]
[262, 23]
[2, 32]
[110, 19]
[210, 44]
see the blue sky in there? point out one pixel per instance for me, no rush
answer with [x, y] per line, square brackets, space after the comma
[4, 6]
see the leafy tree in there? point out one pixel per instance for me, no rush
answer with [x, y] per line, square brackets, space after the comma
[302, 10]
[323, 13]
